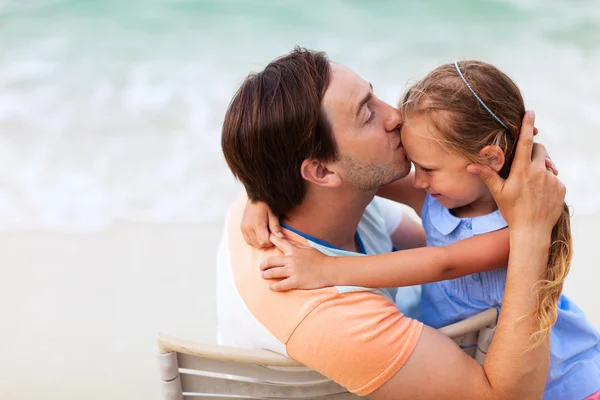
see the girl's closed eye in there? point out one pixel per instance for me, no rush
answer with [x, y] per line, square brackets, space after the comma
[426, 170]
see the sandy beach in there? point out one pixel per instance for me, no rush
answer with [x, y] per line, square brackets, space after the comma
[81, 311]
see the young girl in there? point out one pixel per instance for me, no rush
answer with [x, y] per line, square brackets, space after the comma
[461, 113]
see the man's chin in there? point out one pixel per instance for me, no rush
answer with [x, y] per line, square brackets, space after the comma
[398, 176]
[403, 172]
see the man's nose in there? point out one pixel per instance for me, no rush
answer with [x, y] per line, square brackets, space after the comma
[394, 120]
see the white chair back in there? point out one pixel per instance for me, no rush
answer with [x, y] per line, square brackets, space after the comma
[190, 369]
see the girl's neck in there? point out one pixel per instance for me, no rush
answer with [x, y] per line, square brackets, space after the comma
[482, 206]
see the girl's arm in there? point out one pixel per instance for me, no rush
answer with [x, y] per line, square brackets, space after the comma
[403, 191]
[307, 268]
[258, 221]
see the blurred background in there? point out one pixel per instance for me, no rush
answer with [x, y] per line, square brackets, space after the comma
[113, 188]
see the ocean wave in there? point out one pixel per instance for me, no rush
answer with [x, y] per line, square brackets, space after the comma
[107, 117]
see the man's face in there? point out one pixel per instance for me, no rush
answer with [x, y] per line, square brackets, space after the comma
[366, 130]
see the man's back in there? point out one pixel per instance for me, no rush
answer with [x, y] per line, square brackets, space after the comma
[355, 336]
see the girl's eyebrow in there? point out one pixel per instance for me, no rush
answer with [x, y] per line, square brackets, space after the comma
[421, 165]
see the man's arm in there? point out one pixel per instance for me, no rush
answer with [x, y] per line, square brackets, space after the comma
[437, 368]
[404, 229]
[409, 234]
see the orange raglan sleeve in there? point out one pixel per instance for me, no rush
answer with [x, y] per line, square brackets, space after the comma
[357, 339]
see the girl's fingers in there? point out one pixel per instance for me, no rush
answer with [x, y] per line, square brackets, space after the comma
[246, 237]
[253, 239]
[282, 244]
[282, 286]
[272, 262]
[262, 236]
[274, 226]
[276, 273]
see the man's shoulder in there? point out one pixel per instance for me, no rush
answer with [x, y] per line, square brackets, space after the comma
[282, 312]
[279, 312]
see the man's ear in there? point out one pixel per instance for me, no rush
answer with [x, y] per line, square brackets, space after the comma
[317, 172]
[493, 156]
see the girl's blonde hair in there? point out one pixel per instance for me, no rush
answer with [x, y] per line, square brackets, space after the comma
[466, 127]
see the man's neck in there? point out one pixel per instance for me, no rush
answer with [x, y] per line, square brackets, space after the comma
[331, 216]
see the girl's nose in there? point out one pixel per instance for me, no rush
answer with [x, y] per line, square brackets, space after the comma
[420, 180]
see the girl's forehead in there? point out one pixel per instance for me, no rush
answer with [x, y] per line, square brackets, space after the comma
[422, 141]
[420, 126]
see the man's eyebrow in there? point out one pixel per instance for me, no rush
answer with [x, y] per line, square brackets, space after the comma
[365, 100]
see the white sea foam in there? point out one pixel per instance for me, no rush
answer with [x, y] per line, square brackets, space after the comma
[103, 119]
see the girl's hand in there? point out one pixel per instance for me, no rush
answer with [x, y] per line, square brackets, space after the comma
[257, 222]
[299, 268]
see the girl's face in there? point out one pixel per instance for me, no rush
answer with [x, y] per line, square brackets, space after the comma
[441, 173]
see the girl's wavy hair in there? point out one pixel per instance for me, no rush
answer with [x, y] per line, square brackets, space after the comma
[466, 127]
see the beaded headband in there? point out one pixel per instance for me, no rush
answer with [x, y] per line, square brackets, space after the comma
[477, 97]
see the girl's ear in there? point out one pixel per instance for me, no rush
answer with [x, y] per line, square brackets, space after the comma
[493, 156]
[318, 173]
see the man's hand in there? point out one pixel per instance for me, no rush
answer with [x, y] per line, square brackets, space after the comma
[532, 197]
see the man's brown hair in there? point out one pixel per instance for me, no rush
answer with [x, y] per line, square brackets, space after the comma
[274, 122]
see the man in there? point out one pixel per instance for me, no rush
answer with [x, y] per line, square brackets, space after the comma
[310, 139]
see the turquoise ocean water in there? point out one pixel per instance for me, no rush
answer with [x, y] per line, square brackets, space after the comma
[112, 109]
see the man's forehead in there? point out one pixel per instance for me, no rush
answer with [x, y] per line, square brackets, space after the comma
[345, 89]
